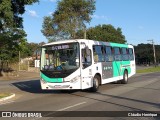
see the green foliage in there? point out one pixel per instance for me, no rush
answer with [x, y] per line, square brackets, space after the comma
[106, 33]
[148, 70]
[144, 53]
[32, 49]
[50, 30]
[12, 35]
[10, 43]
[69, 17]
[10, 13]
[2, 95]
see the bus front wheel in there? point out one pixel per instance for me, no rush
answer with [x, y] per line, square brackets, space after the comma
[96, 81]
[125, 78]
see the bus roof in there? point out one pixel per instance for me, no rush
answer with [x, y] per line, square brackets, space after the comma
[87, 40]
[63, 41]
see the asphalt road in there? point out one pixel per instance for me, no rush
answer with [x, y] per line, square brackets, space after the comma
[142, 93]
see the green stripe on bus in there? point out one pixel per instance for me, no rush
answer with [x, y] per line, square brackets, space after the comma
[126, 65]
[53, 80]
[119, 67]
[116, 68]
[118, 45]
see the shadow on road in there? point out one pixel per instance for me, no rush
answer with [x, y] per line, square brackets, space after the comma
[157, 105]
[33, 86]
[130, 99]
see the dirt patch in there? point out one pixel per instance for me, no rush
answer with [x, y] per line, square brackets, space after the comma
[19, 75]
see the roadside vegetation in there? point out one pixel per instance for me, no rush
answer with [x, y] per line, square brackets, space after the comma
[13, 42]
[144, 54]
[2, 95]
[147, 70]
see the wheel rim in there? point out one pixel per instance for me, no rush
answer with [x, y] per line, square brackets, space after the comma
[126, 77]
[96, 82]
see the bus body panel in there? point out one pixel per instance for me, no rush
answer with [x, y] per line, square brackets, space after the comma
[107, 70]
[86, 77]
[82, 78]
[73, 81]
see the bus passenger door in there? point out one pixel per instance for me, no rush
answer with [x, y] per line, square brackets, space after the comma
[86, 68]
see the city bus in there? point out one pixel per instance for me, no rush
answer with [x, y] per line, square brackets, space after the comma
[85, 64]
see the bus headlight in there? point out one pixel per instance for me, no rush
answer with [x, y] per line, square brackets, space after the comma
[75, 79]
[43, 81]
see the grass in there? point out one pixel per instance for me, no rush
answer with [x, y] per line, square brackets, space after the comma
[147, 70]
[2, 95]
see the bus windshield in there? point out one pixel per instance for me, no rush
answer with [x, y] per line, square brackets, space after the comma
[60, 57]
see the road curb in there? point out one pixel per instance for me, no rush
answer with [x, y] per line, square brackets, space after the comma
[6, 98]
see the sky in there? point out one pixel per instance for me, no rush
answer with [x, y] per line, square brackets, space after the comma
[138, 19]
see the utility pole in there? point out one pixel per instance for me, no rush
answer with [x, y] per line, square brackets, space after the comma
[19, 60]
[154, 52]
[85, 33]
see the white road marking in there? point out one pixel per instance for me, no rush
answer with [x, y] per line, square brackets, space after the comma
[60, 110]
[71, 106]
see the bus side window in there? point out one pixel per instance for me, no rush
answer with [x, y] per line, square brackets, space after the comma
[130, 51]
[125, 56]
[108, 56]
[95, 55]
[117, 54]
[98, 52]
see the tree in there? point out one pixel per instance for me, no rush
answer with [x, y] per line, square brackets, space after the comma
[33, 47]
[144, 53]
[30, 49]
[69, 17]
[157, 48]
[12, 34]
[106, 33]
[11, 23]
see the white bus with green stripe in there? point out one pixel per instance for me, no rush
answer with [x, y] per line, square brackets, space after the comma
[85, 64]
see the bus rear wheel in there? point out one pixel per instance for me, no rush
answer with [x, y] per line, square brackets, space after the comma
[125, 78]
[96, 81]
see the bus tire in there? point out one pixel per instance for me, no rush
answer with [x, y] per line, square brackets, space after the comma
[125, 77]
[96, 81]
